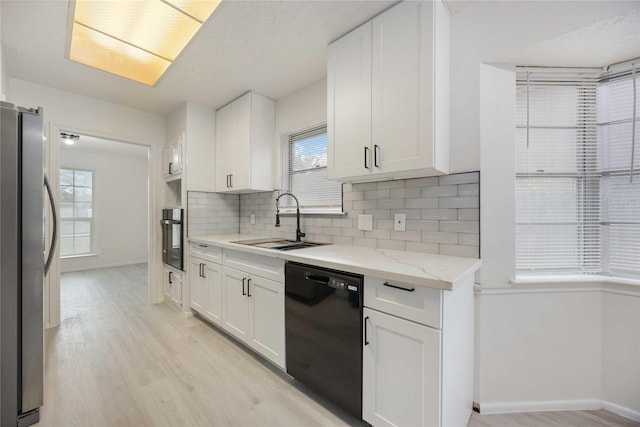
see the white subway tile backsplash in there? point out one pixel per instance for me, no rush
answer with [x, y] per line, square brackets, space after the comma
[398, 245]
[212, 213]
[422, 225]
[445, 214]
[439, 237]
[422, 203]
[469, 214]
[459, 250]
[460, 226]
[421, 182]
[428, 248]
[469, 189]
[442, 215]
[459, 202]
[460, 178]
[440, 191]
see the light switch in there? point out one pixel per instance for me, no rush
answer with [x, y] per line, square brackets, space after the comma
[399, 222]
[365, 222]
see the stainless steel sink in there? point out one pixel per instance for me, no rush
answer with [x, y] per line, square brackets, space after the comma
[278, 244]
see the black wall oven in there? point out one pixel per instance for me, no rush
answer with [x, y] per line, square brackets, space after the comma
[172, 237]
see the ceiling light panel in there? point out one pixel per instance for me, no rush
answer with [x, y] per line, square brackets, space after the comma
[100, 51]
[199, 9]
[148, 24]
[135, 39]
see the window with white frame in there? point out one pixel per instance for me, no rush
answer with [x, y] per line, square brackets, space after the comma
[305, 174]
[76, 212]
[577, 192]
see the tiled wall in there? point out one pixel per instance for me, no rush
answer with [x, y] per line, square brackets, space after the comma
[212, 213]
[443, 216]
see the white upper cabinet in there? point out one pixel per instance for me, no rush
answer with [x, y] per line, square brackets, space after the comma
[191, 154]
[173, 159]
[245, 132]
[349, 104]
[388, 89]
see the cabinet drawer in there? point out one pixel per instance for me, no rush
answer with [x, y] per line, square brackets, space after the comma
[206, 252]
[263, 266]
[412, 302]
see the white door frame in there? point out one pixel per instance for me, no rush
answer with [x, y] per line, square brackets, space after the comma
[52, 281]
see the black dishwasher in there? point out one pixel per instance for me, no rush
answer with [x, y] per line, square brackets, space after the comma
[323, 316]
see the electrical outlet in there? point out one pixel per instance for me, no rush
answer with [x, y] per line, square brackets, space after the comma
[253, 219]
[399, 222]
[365, 222]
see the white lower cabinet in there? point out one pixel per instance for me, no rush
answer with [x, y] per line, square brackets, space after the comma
[417, 354]
[172, 284]
[205, 285]
[253, 312]
[401, 372]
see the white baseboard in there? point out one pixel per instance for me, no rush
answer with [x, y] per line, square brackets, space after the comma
[558, 405]
[99, 266]
[540, 406]
[621, 410]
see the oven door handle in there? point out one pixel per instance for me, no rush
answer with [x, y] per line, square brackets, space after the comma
[170, 221]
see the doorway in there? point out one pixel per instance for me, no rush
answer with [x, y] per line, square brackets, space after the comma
[104, 199]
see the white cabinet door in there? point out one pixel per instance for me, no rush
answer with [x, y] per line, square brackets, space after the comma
[213, 284]
[175, 281]
[166, 283]
[267, 318]
[241, 151]
[349, 104]
[197, 286]
[400, 372]
[402, 88]
[235, 303]
[224, 144]
[176, 158]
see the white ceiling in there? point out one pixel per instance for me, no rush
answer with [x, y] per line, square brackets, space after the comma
[272, 47]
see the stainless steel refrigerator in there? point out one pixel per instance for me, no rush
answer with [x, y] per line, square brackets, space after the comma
[22, 264]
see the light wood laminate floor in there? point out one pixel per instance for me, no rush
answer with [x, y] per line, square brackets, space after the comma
[114, 360]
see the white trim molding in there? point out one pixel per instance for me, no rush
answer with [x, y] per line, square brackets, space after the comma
[627, 287]
[557, 405]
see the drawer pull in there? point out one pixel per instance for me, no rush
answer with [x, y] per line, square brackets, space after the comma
[203, 246]
[387, 284]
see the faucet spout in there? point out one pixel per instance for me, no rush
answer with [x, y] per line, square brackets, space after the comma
[299, 233]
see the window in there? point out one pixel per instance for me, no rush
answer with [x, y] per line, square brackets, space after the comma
[76, 212]
[576, 209]
[306, 172]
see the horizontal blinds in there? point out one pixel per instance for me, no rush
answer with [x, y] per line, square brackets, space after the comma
[557, 180]
[307, 167]
[621, 194]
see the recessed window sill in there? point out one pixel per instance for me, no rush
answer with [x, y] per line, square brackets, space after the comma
[573, 279]
[78, 256]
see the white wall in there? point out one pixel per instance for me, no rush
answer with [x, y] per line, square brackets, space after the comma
[120, 204]
[538, 346]
[300, 109]
[89, 116]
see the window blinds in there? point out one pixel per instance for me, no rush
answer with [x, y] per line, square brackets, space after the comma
[557, 181]
[620, 182]
[577, 184]
[307, 171]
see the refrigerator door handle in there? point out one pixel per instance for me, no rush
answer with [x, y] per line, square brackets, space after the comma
[54, 236]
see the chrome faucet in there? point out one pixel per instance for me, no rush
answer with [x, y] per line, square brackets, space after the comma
[299, 234]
